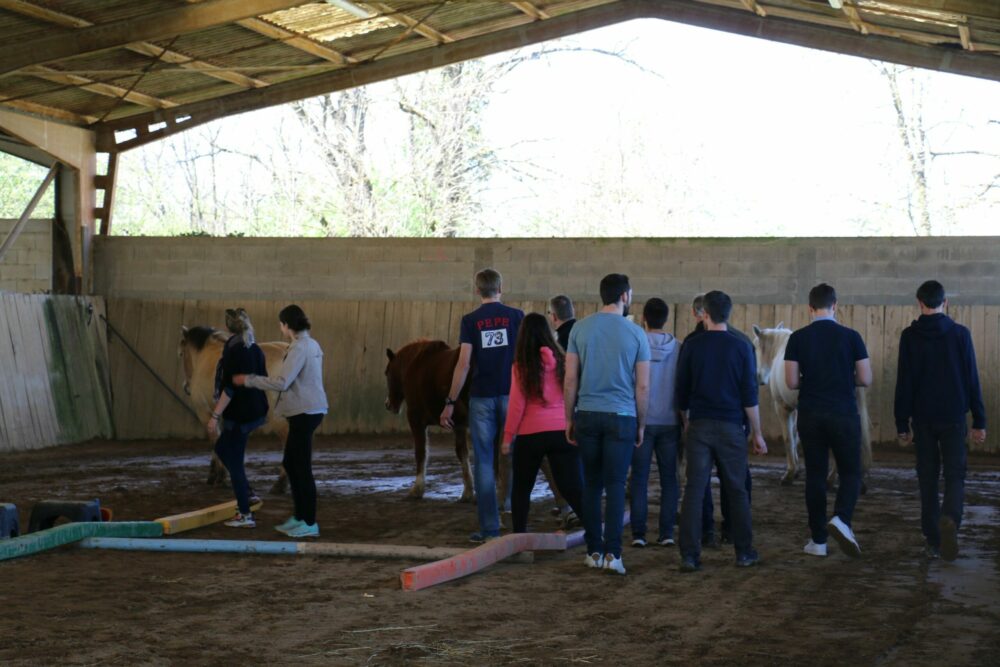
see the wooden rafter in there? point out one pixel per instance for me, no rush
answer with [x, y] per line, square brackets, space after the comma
[296, 40]
[50, 112]
[531, 10]
[963, 34]
[146, 27]
[145, 48]
[404, 19]
[98, 87]
[854, 19]
[754, 7]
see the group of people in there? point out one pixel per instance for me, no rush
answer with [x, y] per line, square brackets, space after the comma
[600, 396]
[241, 407]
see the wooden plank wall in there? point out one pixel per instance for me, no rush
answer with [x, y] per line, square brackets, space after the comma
[53, 363]
[355, 334]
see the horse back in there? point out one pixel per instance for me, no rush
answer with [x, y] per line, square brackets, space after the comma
[427, 382]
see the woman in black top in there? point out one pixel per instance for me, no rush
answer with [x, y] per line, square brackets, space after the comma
[240, 409]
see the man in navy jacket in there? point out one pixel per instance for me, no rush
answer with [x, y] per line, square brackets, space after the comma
[937, 383]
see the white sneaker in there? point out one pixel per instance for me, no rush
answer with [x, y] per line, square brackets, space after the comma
[666, 541]
[242, 521]
[814, 549]
[639, 542]
[612, 564]
[594, 560]
[844, 536]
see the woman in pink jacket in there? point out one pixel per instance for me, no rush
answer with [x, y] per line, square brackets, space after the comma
[536, 418]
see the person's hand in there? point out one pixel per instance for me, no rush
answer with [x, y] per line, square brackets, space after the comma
[638, 436]
[505, 449]
[979, 435]
[445, 418]
[759, 446]
[570, 435]
[212, 426]
[239, 380]
[905, 439]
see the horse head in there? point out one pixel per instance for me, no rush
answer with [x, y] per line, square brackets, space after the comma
[191, 344]
[394, 383]
[767, 344]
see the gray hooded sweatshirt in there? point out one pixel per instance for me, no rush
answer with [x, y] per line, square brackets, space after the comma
[300, 380]
[664, 351]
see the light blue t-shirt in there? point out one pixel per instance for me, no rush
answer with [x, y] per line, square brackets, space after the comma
[609, 347]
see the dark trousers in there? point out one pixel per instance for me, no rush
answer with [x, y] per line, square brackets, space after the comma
[529, 450]
[821, 435]
[605, 441]
[727, 444]
[298, 464]
[708, 507]
[660, 440]
[231, 448]
[937, 444]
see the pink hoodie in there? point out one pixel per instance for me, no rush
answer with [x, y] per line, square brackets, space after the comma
[533, 416]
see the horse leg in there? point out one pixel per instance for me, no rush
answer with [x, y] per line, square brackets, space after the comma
[280, 486]
[791, 446]
[462, 451]
[421, 445]
[561, 505]
[216, 472]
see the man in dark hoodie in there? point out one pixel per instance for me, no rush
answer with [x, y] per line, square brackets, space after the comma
[937, 383]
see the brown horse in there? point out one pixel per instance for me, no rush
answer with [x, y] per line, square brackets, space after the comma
[419, 374]
[200, 349]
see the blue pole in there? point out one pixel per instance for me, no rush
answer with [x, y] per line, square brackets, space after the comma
[191, 546]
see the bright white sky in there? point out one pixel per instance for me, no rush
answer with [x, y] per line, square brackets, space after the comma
[763, 139]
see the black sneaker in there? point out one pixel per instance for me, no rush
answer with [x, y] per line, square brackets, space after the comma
[949, 538]
[748, 559]
[689, 565]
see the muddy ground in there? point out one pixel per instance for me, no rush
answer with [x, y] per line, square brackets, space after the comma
[76, 606]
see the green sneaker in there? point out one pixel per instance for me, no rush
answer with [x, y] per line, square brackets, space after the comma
[304, 530]
[291, 524]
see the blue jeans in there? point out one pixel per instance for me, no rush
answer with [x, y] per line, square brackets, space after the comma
[606, 441]
[231, 449]
[486, 419]
[937, 444]
[823, 434]
[727, 444]
[661, 440]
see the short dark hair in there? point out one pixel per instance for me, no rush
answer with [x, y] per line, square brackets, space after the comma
[822, 296]
[698, 304]
[655, 312]
[294, 318]
[562, 307]
[488, 283]
[931, 294]
[718, 305]
[613, 286]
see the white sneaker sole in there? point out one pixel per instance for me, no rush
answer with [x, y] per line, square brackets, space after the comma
[847, 545]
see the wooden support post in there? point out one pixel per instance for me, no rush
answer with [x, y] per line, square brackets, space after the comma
[107, 183]
[23, 220]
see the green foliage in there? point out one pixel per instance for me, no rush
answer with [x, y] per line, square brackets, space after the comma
[19, 179]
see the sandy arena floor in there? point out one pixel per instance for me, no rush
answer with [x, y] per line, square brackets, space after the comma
[84, 607]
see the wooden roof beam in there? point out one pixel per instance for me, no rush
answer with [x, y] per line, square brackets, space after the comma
[963, 34]
[754, 7]
[296, 40]
[531, 10]
[404, 19]
[98, 87]
[143, 48]
[855, 19]
[152, 26]
[50, 112]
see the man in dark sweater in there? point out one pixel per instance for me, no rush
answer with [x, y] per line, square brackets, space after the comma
[937, 383]
[716, 387]
[562, 317]
[825, 361]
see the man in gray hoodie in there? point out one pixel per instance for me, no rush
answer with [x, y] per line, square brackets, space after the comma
[662, 432]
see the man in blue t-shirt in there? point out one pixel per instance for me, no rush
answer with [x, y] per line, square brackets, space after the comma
[716, 388]
[486, 341]
[937, 383]
[606, 391]
[825, 361]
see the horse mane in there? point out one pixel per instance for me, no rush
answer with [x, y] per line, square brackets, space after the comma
[419, 348]
[200, 335]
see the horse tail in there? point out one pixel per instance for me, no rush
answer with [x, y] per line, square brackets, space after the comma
[866, 429]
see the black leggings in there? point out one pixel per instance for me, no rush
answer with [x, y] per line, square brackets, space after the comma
[565, 462]
[298, 464]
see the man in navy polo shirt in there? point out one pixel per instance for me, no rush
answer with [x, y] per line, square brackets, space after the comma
[486, 342]
[716, 387]
[825, 361]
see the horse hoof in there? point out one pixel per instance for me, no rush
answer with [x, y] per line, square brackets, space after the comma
[787, 480]
[467, 497]
[279, 488]
[415, 494]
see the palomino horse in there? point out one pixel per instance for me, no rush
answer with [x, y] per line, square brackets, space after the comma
[770, 346]
[200, 349]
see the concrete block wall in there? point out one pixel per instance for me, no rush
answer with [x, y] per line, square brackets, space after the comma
[27, 267]
[867, 271]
